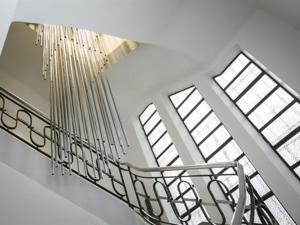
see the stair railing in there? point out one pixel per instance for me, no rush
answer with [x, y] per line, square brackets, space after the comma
[146, 190]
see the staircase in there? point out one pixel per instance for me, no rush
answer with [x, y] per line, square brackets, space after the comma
[144, 190]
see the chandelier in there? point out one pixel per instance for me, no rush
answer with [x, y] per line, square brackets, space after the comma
[82, 106]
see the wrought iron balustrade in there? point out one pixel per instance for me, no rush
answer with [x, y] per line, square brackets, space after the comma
[145, 190]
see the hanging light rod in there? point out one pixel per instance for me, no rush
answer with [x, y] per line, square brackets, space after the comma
[83, 111]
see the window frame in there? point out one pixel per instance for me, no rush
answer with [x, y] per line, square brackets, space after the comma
[182, 173]
[241, 155]
[278, 85]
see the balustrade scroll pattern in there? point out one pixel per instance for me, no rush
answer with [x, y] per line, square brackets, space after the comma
[143, 189]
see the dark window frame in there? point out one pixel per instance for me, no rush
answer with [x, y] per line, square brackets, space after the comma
[167, 183]
[263, 197]
[278, 85]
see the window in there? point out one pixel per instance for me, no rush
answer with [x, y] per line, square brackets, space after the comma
[267, 104]
[215, 144]
[165, 154]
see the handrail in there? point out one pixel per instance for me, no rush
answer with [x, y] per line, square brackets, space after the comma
[122, 178]
[185, 167]
[26, 104]
[241, 204]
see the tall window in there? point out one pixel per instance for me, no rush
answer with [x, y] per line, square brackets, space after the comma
[267, 104]
[215, 144]
[165, 154]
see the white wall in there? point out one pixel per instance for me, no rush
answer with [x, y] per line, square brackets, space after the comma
[275, 44]
[185, 28]
[7, 11]
[272, 42]
[33, 172]
[18, 192]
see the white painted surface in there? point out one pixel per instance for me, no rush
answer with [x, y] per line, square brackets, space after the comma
[288, 10]
[202, 37]
[53, 193]
[271, 41]
[25, 202]
[7, 11]
[184, 26]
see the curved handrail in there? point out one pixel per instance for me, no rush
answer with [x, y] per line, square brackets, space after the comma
[118, 183]
[241, 203]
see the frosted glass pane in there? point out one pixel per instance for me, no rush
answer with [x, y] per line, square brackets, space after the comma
[297, 170]
[205, 127]
[162, 144]
[180, 96]
[197, 217]
[243, 81]
[270, 107]
[229, 153]
[151, 123]
[174, 188]
[180, 207]
[230, 181]
[171, 173]
[186, 107]
[156, 133]
[232, 70]
[283, 125]
[290, 150]
[197, 115]
[256, 218]
[259, 185]
[279, 212]
[248, 167]
[236, 195]
[148, 111]
[256, 93]
[214, 141]
[177, 162]
[168, 156]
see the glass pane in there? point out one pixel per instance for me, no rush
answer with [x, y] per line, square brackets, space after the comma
[230, 181]
[156, 133]
[171, 174]
[243, 81]
[290, 150]
[229, 153]
[177, 162]
[248, 167]
[279, 212]
[259, 185]
[197, 217]
[236, 195]
[174, 188]
[197, 115]
[214, 141]
[297, 170]
[205, 127]
[148, 111]
[256, 93]
[180, 96]
[168, 156]
[283, 125]
[270, 107]
[151, 123]
[256, 218]
[232, 70]
[162, 144]
[186, 107]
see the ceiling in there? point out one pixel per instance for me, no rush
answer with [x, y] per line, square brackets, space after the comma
[178, 38]
[288, 10]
